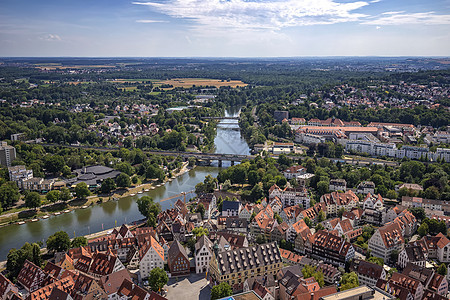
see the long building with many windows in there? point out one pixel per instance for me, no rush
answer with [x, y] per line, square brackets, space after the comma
[236, 266]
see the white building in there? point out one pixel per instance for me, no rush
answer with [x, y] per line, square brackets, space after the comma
[18, 174]
[366, 187]
[203, 254]
[151, 256]
[385, 240]
[290, 196]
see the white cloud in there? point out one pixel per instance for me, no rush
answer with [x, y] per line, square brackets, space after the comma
[50, 37]
[402, 18]
[375, 1]
[150, 21]
[378, 27]
[245, 15]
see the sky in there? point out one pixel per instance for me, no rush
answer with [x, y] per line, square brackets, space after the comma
[224, 28]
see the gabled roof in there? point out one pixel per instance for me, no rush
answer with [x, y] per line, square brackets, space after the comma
[369, 269]
[176, 249]
[112, 282]
[65, 285]
[103, 263]
[230, 205]
[391, 234]
[4, 284]
[203, 241]
[53, 270]
[29, 274]
[147, 243]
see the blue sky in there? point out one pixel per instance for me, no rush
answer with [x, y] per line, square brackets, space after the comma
[224, 28]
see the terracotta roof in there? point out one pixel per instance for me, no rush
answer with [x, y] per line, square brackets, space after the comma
[175, 249]
[66, 285]
[369, 269]
[290, 256]
[112, 282]
[405, 281]
[4, 284]
[30, 274]
[391, 234]
[53, 270]
[103, 263]
[443, 240]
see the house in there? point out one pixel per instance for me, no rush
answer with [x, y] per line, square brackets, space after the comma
[111, 283]
[331, 274]
[385, 240]
[7, 288]
[366, 187]
[236, 225]
[151, 255]
[293, 172]
[18, 174]
[368, 273]
[123, 232]
[104, 264]
[290, 257]
[87, 288]
[264, 286]
[373, 202]
[392, 213]
[236, 266]
[329, 248]
[290, 196]
[443, 248]
[276, 205]
[66, 262]
[203, 254]
[130, 291]
[279, 232]
[293, 286]
[337, 185]
[298, 228]
[230, 208]
[313, 212]
[337, 200]
[413, 187]
[31, 276]
[408, 223]
[209, 201]
[291, 214]
[361, 292]
[396, 290]
[428, 277]
[246, 212]
[64, 285]
[413, 285]
[178, 260]
[234, 240]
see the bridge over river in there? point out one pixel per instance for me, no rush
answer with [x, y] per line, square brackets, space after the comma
[208, 157]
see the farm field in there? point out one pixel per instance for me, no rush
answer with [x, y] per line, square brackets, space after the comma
[189, 82]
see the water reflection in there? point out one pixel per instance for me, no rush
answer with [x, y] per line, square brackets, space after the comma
[109, 214]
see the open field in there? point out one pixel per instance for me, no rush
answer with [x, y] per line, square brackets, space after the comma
[189, 82]
[55, 66]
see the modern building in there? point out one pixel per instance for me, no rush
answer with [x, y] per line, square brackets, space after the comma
[7, 154]
[18, 174]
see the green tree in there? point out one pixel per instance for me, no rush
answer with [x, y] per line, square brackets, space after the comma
[199, 231]
[33, 200]
[308, 222]
[322, 187]
[123, 180]
[108, 185]
[341, 211]
[418, 212]
[53, 196]
[65, 194]
[260, 239]
[321, 216]
[9, 194]
[394, 256]
[391, 194]
[82, 191]
[310, 271]
[319, 227]
[58, 242]
[221, 290]
[78, 242]
[376, 260]
[149, 209]
[54, 163]
[349, 281]
[442, 269]
[16, 258]
[278, 218]
[423, 229]
[201, 209]
[157, 279]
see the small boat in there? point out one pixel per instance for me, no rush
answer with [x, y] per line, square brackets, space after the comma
[132, 195]
[146, 190]
[20, 223]
[45, 217]
[57, 213]
[152, 188]
[66, 211]
[140, 192]
[173, 177]
[84, 206]
[158, 185]
[34, 220]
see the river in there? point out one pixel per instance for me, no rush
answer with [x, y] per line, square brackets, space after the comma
[106, 215]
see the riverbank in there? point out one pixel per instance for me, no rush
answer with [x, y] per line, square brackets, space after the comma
[30, 215]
